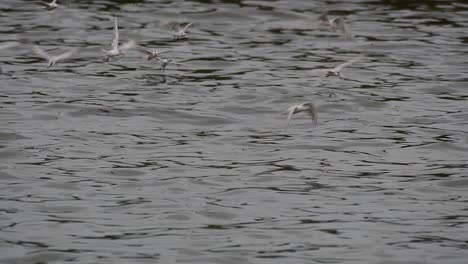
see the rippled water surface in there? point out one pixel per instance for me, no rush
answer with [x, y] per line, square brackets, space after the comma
[116, 162]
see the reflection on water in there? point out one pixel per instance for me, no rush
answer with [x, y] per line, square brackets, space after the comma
[114, 162]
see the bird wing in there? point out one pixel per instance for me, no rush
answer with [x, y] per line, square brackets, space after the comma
[64, 55]
[302, 107]
[290, 112]
[128, 45]
[115, 41]
[341, 66]
[164, 62]
[186, 26]
[335, 20]
[341, 25]
[41, 52]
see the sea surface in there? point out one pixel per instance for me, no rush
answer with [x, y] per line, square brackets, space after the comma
[117, 162]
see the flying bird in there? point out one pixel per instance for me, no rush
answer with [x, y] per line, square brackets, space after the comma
[150, 54]
[117, 50]
[307, 106]
[334, 23]
[337, 70]
[181, 31]
[52, 60]
[48, 6]
[165, 62]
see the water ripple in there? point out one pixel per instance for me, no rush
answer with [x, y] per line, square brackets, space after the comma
[116, 162]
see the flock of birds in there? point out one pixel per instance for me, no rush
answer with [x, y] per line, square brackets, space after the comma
[118, 50]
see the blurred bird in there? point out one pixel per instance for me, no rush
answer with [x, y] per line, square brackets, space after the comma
[48, 6]
[117, 50]
[334, 23]
[150, 54]
[337, 70]
[307, 106]
[52, 60]
[181, 31]
[165, 62]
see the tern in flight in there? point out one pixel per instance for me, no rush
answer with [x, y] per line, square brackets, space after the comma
[165, 62]
[181, 31]
[337, 70]
[52, 60]
[49, 6]
[307, 106]
[334, 23]
[117, 50]
[150, 54]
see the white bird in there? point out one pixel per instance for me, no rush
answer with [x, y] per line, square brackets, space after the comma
[307, 106]
[334, 23]
[150, 54]
[337, 70]
[165, 62]
[117, 50]
[49, 6]
[52, 59]
[181, 31]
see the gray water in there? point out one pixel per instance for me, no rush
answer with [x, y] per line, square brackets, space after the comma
[114, 162]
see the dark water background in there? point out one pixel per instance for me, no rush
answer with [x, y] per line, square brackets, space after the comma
[115, 163]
